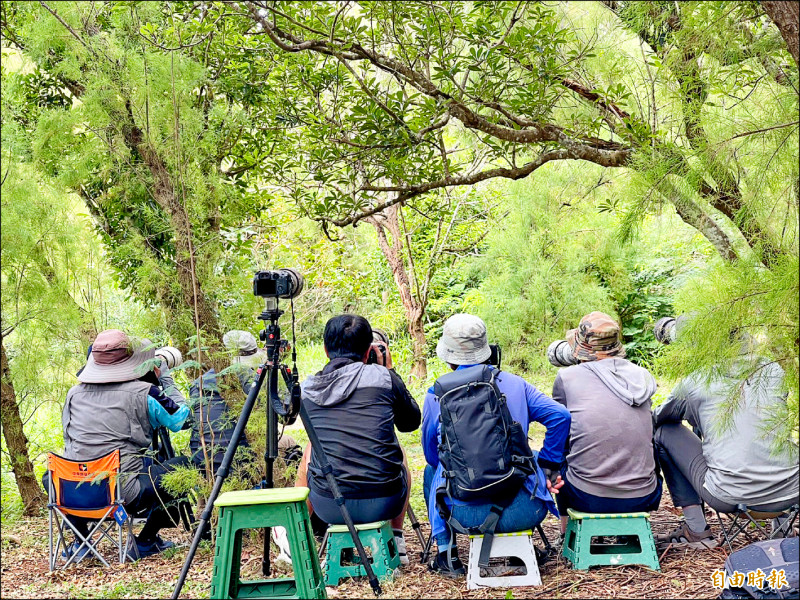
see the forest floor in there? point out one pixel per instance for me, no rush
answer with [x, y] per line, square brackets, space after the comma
[24, 572]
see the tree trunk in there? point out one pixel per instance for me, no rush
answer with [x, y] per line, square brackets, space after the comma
[726, 197]
[417, 331]
[786, 15]
[185, 257]
[415, 310]
[16, 442]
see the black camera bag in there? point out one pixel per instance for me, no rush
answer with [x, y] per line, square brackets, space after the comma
[768, 556]
[484, 453]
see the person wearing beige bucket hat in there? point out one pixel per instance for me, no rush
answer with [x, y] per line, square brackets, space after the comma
[464, 345]
[610, 466]
[464, 341]
[116, 406]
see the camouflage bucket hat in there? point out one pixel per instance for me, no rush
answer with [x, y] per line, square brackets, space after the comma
[597, 337]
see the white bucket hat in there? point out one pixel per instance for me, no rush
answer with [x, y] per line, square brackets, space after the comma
[464, 341]
[243, 342]
[117, 357]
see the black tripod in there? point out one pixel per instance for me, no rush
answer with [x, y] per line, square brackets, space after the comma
[288, 410]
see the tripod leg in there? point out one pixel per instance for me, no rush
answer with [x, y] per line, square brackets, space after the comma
[222, 473]
[416, 526]
[337, 496]
[426, 553]
[269, 459]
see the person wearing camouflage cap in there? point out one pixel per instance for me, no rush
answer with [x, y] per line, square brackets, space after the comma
[597, 337]
[610, 466]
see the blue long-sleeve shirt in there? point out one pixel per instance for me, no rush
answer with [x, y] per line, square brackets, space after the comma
[163, 411]
[525, 404]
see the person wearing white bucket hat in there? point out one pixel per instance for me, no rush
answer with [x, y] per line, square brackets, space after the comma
[464, 341]
[464, 345]
[116, 406]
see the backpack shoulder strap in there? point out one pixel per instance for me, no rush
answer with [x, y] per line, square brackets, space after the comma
[486, 529]
[459, 377]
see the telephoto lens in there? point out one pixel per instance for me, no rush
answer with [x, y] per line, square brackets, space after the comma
[171, 356]
[664, 330]
[559, 353]
[297, 282]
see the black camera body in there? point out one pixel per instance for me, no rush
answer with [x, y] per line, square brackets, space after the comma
[496, 357]
[283, 283]
[372, 359]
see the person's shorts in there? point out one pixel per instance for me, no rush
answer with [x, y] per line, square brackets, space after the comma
[362, 510]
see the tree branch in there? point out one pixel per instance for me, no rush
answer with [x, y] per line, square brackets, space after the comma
[407, 192]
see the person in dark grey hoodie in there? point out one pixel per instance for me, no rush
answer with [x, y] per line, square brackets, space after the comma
[610, 464]
[354, 408]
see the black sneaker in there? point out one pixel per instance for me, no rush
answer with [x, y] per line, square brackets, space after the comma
[145, 549]
[451, 569]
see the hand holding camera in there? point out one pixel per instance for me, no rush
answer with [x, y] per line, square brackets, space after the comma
[379, 355]
[379, 350]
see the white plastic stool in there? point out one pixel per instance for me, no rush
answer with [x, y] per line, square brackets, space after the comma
[519, 545]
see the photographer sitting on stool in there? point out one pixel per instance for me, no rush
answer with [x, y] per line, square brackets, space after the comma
[354, 406]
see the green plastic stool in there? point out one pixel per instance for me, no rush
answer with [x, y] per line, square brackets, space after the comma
[256, 509]
[638, 548]
[378, 537]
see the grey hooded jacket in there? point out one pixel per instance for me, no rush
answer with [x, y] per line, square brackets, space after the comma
[611, 435]
[741, 465]
[354, 408]
[100, 418]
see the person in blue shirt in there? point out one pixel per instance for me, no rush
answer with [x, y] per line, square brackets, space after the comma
[166, 406]
[464, 343]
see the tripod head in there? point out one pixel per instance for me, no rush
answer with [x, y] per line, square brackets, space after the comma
[286, 408]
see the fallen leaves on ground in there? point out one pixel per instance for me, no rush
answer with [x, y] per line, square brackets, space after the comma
[685, 573]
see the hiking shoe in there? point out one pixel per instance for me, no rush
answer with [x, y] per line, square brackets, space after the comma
[145, 549]
[400, 542]
[163, 544]
[686, 538]
[440, 565]
[67, 553]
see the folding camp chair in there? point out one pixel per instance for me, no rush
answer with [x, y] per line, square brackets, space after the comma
[90, 490]
[745, 516]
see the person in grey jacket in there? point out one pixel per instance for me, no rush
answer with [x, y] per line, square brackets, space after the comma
[725, 465]
[610, 463]
[116, 406]
[354, 408]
